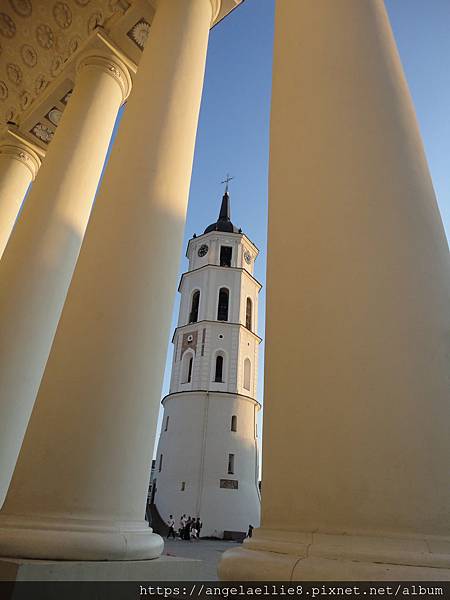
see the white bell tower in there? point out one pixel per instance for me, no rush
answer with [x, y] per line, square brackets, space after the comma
[207, 458]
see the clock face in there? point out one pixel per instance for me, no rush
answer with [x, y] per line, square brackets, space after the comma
[203, 250]
[248, 257]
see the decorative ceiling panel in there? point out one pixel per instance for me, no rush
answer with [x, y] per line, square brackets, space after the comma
[36, 38]
[40, 41]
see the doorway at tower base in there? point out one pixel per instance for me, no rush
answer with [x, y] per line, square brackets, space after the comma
[272, 555]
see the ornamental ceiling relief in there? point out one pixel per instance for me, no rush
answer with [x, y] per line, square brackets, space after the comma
[37, 37]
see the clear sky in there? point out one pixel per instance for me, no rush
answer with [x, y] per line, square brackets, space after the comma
[233, 134]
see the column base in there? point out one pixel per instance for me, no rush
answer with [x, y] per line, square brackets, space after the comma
[164, 568]
[292, 556]
[77, 539]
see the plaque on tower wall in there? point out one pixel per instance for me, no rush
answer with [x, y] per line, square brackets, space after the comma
[229, 484]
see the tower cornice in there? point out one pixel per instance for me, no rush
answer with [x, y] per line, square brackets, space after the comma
[213, 393]
[255, 335]
[220, 268]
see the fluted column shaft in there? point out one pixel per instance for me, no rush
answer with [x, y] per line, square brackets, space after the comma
[18, 167]
[38, 263]
[357, 389]
[85, 462]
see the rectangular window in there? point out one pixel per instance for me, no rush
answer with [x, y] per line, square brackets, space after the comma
[226, 253]
[160, 462]
[230, 464]
[183, 486]
[167, 424]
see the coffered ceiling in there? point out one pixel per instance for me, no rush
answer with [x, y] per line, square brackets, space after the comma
[40, 41]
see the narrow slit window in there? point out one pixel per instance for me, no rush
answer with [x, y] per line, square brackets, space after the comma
[189, 374]
[234, 423]
[160, 462]
[183, 486]
[248, 314]
[231, 464]
[167, 423]
[203, 342]
[247, 373]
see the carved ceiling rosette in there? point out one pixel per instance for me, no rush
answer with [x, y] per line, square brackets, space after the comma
[22, 8]
[7, 26]
[62, 15]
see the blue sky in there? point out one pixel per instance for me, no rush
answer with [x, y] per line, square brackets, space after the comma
[233, 133]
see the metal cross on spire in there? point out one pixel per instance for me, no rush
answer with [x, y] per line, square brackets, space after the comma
[226, 181]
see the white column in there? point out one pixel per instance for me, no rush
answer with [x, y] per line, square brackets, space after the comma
[18, 167]
[357, 391]
[39, 260]
[80, 486]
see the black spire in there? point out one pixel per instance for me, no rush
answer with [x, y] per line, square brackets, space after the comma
[224, 223]
[224, 214]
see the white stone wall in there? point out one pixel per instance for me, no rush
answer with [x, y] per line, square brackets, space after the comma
[195, 450]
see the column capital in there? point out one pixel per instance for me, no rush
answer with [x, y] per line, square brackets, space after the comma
[23, 153]
[110, 64]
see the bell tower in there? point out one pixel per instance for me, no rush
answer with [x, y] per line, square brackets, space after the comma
[207, 458]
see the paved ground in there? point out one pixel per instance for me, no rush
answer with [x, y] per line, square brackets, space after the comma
[208, 551]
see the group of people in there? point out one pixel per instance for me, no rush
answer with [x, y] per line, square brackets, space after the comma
[189, 529]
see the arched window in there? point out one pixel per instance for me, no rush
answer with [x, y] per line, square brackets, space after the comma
[248, 314]
[193, 315]
[234, 423]
[218, 375]
[222, 308]
[247, 373]
[187, 365]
